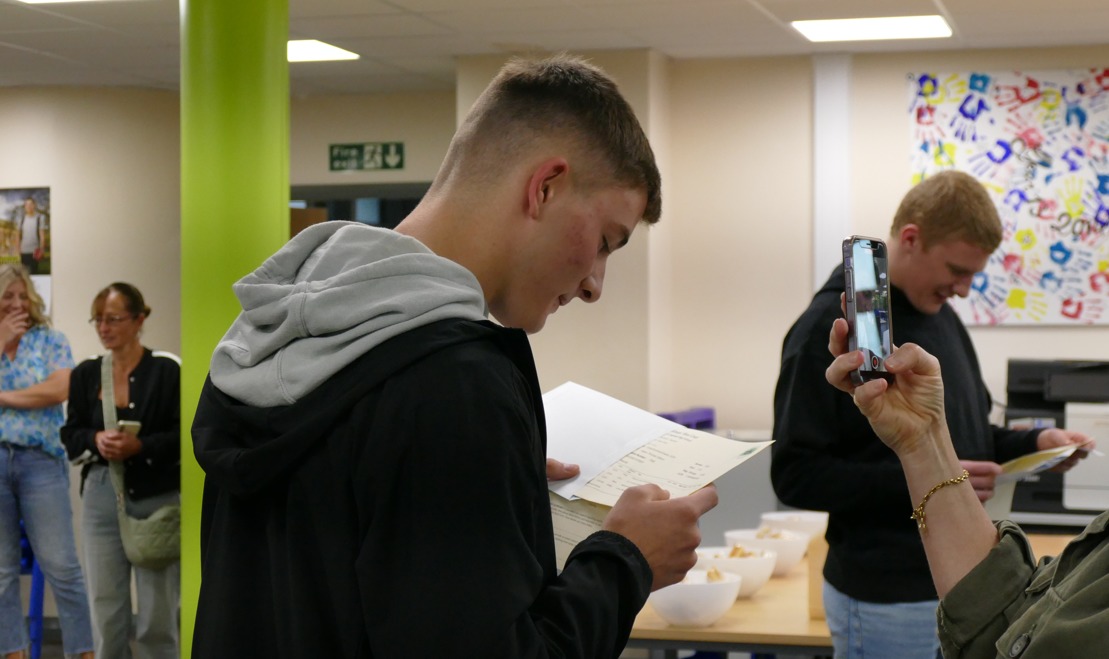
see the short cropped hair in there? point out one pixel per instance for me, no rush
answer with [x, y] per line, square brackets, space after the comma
[13, 272]
[950, 206]
[565, 98]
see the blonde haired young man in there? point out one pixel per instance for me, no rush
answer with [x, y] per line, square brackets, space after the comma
[878, 595]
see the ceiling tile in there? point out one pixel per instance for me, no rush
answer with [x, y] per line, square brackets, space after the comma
[316, 8]
[380, 25]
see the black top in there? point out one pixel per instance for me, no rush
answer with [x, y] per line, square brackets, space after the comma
[401, 510]
[155, 393]
[826, 457]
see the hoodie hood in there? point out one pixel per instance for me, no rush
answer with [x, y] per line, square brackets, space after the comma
[330, 295]
[245, 448]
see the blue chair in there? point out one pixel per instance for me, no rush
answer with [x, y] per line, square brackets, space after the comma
[28, 565]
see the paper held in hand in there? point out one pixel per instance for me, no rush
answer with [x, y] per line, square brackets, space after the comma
[618, 446]
[1000, 505]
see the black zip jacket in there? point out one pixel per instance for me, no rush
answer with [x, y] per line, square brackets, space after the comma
[401, 510]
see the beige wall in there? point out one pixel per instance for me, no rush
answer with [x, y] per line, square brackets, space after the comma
[424, 121]
[110, 158]
[741, 216]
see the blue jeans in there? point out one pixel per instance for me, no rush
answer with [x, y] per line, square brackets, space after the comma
[865, 630]
[35, 487]
[109, 572]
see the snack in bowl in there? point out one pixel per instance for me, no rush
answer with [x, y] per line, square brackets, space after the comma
[790, 546]
[811, 522]
[696, 601]
[754, 566]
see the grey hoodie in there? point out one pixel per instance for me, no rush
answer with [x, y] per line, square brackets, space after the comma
[331, 294]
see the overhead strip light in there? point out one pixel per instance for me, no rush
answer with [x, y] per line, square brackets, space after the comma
[48, 2]
[874, 29]
[310, 50]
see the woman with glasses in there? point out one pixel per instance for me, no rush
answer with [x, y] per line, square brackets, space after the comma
[145, 388]
[35, 369]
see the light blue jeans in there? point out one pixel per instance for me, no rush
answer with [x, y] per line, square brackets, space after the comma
[35, 487]
[865, 630]
[109, 572]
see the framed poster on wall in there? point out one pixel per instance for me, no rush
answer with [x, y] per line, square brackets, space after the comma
[1039, 142]
[25, 234]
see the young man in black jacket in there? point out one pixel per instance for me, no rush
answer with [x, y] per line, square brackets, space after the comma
[374, 448]
[878, 596]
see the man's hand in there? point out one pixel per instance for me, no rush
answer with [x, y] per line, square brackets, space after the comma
[1056, 437]
[558, 471]
[664, 529]
[983, 477]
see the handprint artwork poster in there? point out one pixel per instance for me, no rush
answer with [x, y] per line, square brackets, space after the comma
[1039, 142]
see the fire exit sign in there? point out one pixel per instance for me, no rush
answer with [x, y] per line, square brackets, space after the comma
[366, 156]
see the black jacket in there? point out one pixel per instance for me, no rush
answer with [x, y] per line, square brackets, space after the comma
[401, 510]
[826, 457]
[155, 401]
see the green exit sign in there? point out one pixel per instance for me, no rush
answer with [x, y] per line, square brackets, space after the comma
[366, 156]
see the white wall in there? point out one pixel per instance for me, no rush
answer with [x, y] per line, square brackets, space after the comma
[110, 158]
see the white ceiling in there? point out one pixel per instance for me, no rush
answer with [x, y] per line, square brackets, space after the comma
[410, 44]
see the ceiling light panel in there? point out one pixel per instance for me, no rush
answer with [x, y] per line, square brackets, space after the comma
[874, 29]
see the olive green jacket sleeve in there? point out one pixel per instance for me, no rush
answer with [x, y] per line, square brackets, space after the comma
[1010, 606]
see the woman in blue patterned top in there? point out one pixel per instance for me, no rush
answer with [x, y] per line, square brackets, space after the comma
[34, 475]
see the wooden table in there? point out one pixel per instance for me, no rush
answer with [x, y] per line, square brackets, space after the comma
[774, 620]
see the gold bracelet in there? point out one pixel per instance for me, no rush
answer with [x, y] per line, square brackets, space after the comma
[918, 512]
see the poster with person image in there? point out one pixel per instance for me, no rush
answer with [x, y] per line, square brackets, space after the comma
[25, 228]
[25, 234]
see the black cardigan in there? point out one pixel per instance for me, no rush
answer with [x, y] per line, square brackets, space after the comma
[155, 401]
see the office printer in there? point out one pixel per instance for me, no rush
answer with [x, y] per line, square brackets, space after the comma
[1068, 394]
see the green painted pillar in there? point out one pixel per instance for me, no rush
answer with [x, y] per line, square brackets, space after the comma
[234, 201]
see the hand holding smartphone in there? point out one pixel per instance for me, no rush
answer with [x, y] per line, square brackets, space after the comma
[867, 302]
[129, 427]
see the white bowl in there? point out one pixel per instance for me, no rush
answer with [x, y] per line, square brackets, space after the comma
[695, 601]
[789, 545]
[811, 522]
[754, 571]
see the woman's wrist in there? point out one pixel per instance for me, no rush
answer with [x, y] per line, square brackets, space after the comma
[931, 460]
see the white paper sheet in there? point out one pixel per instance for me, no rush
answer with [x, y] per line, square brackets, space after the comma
[593, 431]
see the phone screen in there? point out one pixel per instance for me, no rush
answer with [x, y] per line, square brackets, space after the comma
[868, 305]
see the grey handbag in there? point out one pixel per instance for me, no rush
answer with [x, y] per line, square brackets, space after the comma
[152, 542]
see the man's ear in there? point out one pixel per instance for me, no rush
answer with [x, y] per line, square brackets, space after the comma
[909, 237]
[549, 178]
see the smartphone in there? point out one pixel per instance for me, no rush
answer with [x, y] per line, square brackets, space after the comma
[866, 274]
[130, 427]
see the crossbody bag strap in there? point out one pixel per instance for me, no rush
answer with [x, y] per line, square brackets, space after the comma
[108, 403]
